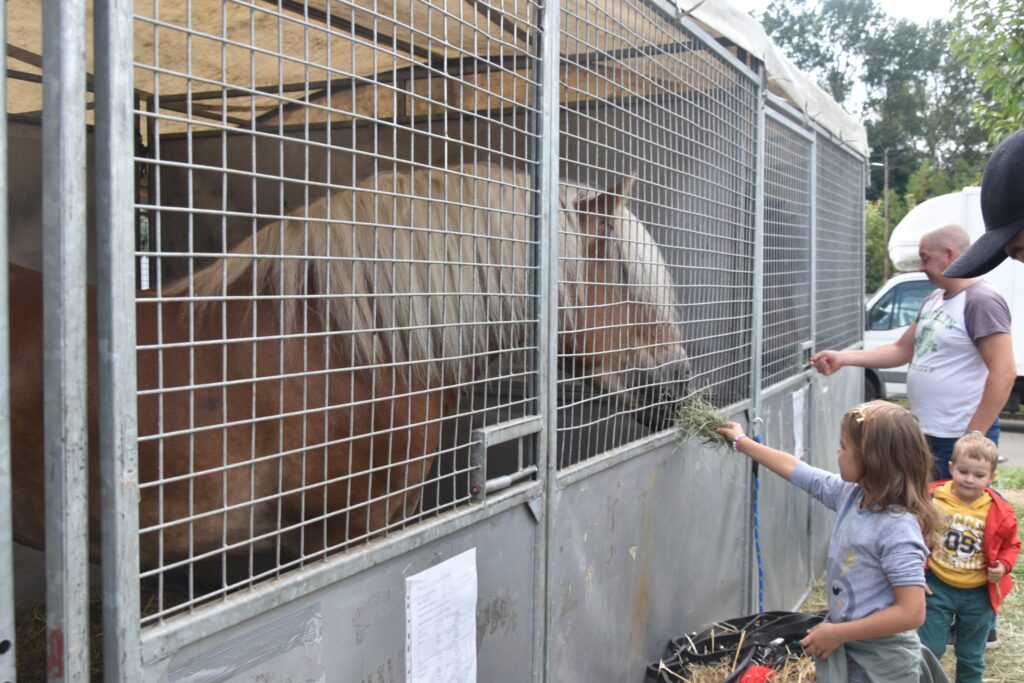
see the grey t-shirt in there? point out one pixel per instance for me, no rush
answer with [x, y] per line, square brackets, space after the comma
[870, 551]
[946, 378]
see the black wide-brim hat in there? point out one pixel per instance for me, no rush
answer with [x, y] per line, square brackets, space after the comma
[1002, 207]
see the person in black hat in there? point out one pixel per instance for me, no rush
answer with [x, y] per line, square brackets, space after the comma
[1002, 207]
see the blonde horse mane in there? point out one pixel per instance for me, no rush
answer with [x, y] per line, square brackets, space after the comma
[429, 269]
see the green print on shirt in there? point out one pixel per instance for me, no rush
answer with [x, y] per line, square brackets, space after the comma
[925, 345]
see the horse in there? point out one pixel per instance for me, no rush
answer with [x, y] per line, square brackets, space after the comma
[291, 392]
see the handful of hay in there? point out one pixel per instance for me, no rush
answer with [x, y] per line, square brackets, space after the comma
[696, 418]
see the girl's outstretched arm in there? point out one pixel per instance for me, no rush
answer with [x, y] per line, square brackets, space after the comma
[779, 462]
[906, 614]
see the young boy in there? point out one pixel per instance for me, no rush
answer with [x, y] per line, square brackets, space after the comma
[969, 573]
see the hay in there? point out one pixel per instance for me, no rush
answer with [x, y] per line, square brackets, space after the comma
[793, 671]
[30, 643]
[697, 418]
[30, 633]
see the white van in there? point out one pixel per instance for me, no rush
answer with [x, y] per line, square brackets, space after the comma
[893, 307]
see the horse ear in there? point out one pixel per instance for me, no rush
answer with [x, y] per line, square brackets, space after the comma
[595, 208]
[626, 184]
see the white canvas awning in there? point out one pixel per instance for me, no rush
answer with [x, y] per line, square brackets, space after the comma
[723, 20]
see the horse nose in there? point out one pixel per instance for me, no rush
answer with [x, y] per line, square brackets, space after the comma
[658, 392]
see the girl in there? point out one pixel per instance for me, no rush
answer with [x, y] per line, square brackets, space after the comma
[876, 557]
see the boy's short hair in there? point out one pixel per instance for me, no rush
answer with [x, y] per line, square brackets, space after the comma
[976, 447]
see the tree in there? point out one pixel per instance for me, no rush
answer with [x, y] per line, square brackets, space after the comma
[825, 38]
[988, 36]
[876, 251]
[917, 103]
[912, 93]
[899, 76]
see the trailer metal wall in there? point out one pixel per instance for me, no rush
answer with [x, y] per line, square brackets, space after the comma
[599, 537]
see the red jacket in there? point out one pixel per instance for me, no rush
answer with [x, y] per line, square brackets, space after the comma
[999, 542]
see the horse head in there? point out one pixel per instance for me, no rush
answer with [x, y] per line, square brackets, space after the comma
[619, 329]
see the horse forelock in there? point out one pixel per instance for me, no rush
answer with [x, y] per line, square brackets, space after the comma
[430, 270]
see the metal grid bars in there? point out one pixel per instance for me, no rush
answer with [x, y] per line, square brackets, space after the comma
[658, 131]
[336, 209]
[839, 225]
[787, 250]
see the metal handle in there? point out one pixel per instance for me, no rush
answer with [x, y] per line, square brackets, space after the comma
[492, 435]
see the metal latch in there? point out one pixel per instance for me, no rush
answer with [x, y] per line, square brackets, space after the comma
[492, 435]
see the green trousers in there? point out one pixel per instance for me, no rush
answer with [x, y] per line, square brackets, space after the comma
[973, 611]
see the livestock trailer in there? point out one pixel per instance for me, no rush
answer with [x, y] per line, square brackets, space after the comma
[346, 338]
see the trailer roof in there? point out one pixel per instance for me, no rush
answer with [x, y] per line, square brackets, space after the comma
[237, 62]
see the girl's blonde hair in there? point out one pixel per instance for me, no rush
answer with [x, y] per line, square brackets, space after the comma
[895, 461]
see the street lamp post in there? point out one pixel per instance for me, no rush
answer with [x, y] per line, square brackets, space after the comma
[885, 211]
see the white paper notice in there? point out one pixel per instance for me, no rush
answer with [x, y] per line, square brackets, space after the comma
[440, 622]
[798, 422]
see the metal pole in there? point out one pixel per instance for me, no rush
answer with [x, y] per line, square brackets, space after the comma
[64, 341]
[885, 211]
[115, 306]
[757, 337]
[7, 651]
[547, 294]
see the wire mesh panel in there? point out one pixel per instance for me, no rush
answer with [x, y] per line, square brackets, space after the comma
[839, 280]
[787, 251]
[658, 132]
[337, 217]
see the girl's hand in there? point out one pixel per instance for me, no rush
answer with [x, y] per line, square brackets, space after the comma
[730, 431]
[996, 572]
[822, 640]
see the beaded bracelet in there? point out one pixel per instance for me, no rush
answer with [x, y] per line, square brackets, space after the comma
[736, 441]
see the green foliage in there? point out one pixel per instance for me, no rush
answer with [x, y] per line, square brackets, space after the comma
[1010, 478]
[917, 96]
[988, 36]
[875, 241]
[874, 246]
[927, 182]
[918, 108]
[916, 105]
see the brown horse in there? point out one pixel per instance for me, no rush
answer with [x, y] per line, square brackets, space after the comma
[291, 393]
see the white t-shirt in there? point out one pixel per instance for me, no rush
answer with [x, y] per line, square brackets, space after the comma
[947, 375]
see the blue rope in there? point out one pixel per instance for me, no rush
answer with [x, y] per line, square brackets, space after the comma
[757, 534]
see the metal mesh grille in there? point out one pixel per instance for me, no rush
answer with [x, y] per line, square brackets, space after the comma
[787, 251]
[337, 227]
[641, 97]
[839, 280]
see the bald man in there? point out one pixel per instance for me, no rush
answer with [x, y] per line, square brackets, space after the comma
[959, 349]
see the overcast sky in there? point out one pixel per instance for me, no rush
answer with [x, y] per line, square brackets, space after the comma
[916, 10]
